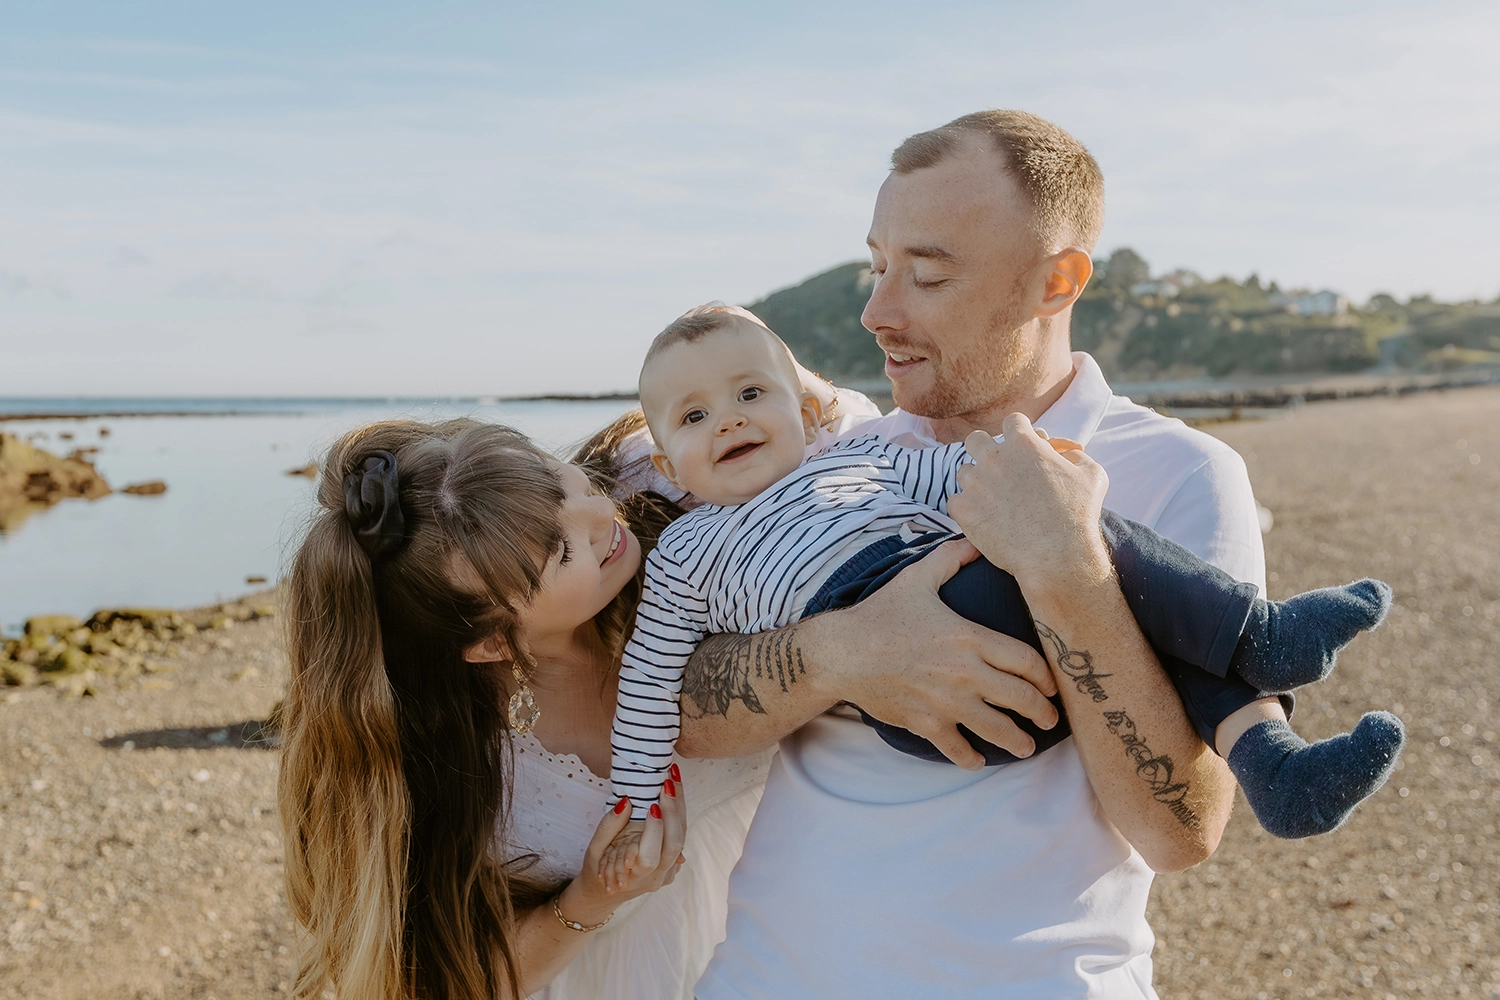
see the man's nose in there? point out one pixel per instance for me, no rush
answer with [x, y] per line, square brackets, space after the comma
[884, 310]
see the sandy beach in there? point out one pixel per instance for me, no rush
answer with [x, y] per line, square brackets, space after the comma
[140, 854]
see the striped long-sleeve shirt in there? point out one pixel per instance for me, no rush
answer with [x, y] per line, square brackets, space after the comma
[753, 567]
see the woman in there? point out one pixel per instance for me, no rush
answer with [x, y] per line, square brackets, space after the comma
[456, 616]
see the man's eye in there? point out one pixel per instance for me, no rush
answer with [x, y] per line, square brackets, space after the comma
[750, 393]
[930, 283]
[694, 416]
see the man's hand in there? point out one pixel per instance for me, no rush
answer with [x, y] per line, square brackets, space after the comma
[902, 655]
[907, 659]
[1031, 509]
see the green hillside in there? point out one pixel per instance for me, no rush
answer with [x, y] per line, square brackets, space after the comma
[1173, 326]
[819, 320]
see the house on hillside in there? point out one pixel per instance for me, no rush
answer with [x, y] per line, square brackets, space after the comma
[1164, 288]
[1304, 303]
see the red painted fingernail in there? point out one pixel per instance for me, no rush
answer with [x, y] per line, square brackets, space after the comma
[676, 774]
[670, 788]
[655, 811]
[621, 806]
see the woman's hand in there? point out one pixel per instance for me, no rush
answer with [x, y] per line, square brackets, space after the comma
[1033, 509]
[655, 847]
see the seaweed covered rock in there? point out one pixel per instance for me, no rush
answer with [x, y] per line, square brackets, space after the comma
[77, 657]
[31, 477]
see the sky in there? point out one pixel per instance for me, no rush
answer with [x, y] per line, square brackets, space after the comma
[329, 198]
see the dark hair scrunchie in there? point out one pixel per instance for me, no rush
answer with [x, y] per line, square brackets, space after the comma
[373, 505]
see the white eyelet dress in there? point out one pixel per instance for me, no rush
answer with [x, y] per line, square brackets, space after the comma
[657, 945]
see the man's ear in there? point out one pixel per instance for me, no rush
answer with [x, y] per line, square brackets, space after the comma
[665, 467]
[492, 649]
[812, 417]
[1070, 271]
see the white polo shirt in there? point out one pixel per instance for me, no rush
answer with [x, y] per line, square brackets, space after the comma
[871, 874]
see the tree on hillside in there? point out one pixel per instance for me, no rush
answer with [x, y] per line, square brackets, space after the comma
[1124, 268]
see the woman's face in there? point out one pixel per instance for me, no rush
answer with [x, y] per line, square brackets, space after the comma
[597, 557]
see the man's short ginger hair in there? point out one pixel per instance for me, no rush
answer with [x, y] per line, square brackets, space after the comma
[1057, 173]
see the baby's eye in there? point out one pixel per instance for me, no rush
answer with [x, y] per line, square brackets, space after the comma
[694, 416]
[750, 393]
[567, 553]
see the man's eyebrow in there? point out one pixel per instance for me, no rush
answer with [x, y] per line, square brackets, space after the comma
[933, 253]
[926, 251]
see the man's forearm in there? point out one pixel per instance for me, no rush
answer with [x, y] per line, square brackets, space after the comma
[1167, 793]
[743, 693]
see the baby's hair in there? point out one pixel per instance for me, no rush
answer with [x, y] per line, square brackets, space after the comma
[697, 323]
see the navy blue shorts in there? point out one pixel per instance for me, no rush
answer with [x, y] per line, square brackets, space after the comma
[1190, 612]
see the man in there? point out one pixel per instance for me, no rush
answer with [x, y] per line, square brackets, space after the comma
[868, 873]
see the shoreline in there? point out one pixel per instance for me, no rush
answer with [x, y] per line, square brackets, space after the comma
[281, 407]
[1265, 393]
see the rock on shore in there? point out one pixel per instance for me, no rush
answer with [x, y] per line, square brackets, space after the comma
[82, 657]
[31, 478]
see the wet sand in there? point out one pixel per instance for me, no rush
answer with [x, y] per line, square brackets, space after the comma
[140, 852]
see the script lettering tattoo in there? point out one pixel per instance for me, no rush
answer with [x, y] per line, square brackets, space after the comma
[721, 670]
[1077, 664]
[1154, 769]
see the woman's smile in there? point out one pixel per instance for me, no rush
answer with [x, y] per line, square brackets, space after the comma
[616, 545]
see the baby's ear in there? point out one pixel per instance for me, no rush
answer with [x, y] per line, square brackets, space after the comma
[812, 417]
[665, 467]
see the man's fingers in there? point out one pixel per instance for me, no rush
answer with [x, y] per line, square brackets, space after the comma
[1016, 426]
[980, 446]
[1010, 655]
[938, 566]
[989, 723]
[1010, 691]
[951, 744]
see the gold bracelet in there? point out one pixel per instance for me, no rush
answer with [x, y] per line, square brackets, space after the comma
[574, 925]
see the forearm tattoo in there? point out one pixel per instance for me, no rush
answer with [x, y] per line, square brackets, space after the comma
[1156, 770]
[723, 668]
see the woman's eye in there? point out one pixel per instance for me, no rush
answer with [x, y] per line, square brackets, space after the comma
[750, 394]
[694, 416]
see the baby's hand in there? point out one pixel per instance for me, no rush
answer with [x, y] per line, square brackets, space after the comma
[621, 856]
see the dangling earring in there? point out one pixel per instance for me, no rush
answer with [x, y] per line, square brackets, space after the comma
[523, 709]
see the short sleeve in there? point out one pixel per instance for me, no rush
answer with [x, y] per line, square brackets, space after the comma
[1214, 515]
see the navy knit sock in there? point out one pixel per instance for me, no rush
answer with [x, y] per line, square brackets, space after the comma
[1289, 643]
[1298, 790]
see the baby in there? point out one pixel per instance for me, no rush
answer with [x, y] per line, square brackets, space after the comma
[781, 536]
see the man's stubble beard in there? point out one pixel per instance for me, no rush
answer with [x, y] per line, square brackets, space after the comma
[986, 379]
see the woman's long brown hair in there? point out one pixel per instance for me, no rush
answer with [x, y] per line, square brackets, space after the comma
[394, 777]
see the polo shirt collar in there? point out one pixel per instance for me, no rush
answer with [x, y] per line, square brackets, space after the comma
[1081, 408]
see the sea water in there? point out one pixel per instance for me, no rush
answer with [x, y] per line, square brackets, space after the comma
[230, 513]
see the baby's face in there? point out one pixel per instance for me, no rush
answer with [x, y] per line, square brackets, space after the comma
[727, 413]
